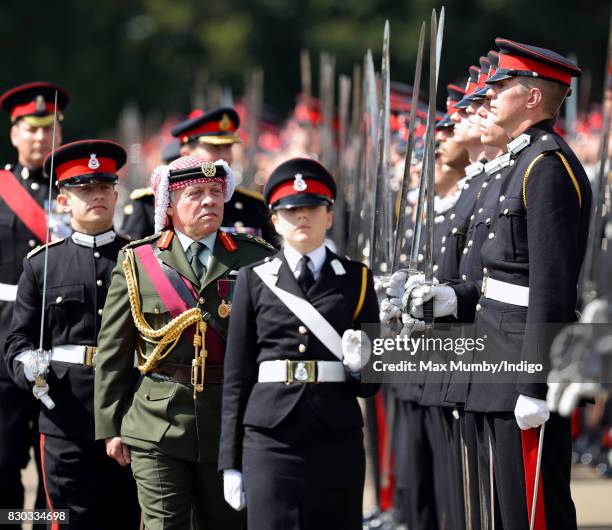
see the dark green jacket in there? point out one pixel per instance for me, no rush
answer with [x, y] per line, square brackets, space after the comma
[161, 414]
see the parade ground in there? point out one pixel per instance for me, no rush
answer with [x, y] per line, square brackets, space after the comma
[591, 494]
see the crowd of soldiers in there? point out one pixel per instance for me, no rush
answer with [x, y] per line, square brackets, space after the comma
[167, 369]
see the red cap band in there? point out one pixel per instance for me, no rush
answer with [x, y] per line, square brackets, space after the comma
[516, 62]
[76, 168]
[211, 127]
[26, 109]
[313, 187]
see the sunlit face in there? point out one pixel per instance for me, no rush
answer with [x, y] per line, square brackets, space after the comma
[451, 152]
[91, 206]
[197, 210]
[33, 143]
[491, 133]
[303, 228]
[508, 100]
[209, 152]
[461, 120]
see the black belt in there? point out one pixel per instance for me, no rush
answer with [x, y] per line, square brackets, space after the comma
[181, 373]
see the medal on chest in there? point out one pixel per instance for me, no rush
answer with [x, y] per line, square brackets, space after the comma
[225, 290]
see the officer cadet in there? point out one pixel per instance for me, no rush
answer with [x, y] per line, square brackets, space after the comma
[169, 300]
[23, 192]
[78, 476]
[138, 212]
[531, 261]
[299, 444]
[211, 135]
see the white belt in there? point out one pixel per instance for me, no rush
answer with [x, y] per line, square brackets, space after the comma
[73, 353]
[301, 372]
[505, 292]
[8, 292]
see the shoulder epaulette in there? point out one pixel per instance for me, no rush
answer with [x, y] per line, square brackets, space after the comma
[36, 250]
[250, 193]
[254, 239]
[147, 239]
[547, 142]
[139, 193]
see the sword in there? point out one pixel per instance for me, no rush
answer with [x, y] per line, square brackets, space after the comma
[41, 387]
[429, 156]
[380, 261]
[537, 478]
[401, 218]
[491, 485]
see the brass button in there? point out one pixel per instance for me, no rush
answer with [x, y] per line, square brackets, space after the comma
[491, 235]
[35, 186]
[156, 310]
[454, 231]
[465, 250]
[478, 307]
[452, 216]
[32, 243]
[480, 210]
[96, 254]
[302, 348]
[99, 283]
[58, 299]
[443, 239]
[302, 330]
[100, 311]
[201, 300]
[442, 250]
[485, 271]
[464, 277]
[506, 211]
[435, 268]
[502, 198]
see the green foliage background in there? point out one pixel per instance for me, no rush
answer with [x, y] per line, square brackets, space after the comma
[109, 53]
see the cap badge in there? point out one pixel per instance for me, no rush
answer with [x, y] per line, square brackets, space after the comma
[93, 163]
[40, 104]
[225, 123]
[209, 169]
[298, 183]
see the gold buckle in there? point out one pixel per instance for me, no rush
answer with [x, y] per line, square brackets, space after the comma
[90, 352]
[301, 372]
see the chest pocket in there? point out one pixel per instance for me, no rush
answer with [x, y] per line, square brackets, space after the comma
[64, 305]
[512, 230]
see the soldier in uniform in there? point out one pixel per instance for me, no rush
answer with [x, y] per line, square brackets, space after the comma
[211, 135]
[138, 212]
[169, 300]
[299, 444]
[78, 475]
[531, 261]
[23, 192]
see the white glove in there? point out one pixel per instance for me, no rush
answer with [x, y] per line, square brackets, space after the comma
[397, 285]
[445, 300]
[389, 311]
[595, 312]
[564, 397]
[34, 365]
[233, 489]
[414, 281]
[412, 325]
[356, 348]
[530, 412]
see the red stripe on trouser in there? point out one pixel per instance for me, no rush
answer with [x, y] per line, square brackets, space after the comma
[386, 491]
[55, 524]
[530, 439]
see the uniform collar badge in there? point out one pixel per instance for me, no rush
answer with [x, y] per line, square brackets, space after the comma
[519, 143]
[85, 240]
[338, 267]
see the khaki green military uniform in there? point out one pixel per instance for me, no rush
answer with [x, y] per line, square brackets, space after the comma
[173, 436]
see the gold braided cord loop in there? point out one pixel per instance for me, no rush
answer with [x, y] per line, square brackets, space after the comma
[567, 167]
[165, 337]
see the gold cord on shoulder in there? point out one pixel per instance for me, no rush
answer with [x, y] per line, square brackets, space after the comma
[164, 338]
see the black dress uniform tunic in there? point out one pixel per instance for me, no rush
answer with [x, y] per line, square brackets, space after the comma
[537, 241]
[299, 446]
[138, 214]
[79, 476]
[18, 408]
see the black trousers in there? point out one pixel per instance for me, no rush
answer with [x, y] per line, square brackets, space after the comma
[413, 467]
[303, 475]
[514, 461]
[97, 491]
[18, 434]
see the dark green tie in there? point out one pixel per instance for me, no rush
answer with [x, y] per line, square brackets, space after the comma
[196, 263]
